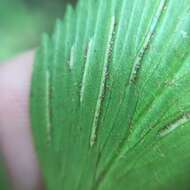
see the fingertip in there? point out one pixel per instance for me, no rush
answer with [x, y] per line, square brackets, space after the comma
[15, 133]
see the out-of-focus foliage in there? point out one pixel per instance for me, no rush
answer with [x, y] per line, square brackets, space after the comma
[23, 21]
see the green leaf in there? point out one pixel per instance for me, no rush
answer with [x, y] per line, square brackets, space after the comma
[110, 102]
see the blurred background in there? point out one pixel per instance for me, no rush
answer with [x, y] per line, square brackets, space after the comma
[22, 23]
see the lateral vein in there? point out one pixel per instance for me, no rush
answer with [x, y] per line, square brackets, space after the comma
[103, 83]
[171, 127]
[141, 53]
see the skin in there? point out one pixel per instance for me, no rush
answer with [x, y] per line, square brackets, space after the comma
[15, 133]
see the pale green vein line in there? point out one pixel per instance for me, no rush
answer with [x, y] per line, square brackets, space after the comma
[86, 67]
[49, 77]
[47, 88]
[140, 55]
[48, 113]
[102, 84]
[176, 124]
[71, 58]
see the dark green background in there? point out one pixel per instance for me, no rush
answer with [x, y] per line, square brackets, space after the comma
[22, 23]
